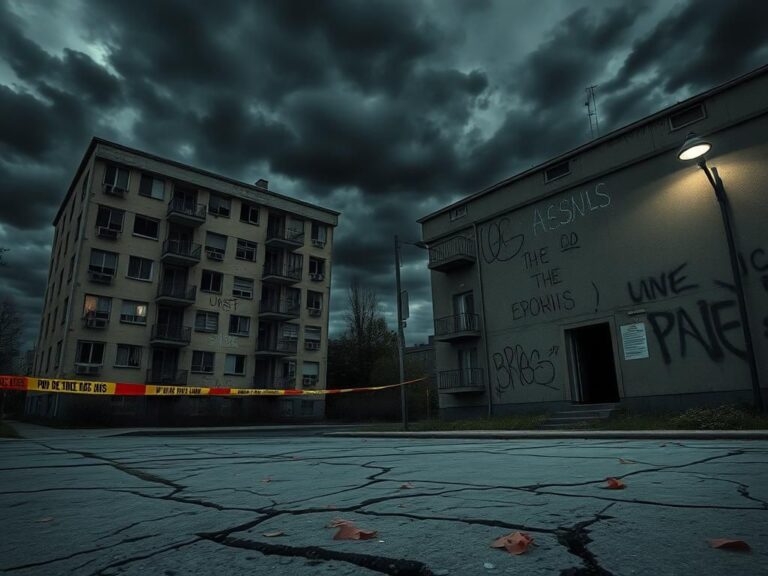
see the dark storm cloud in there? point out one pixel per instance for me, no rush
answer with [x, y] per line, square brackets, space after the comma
[374, 108]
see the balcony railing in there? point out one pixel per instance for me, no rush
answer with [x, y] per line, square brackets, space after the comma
[289, 237]
[457, 327]
[280, 307]
[181, 251]
[172, 291]
[96, 319]
[279, 347]
[453, 253]
[171, 333]
[167, 377]
[282, 274]
[462, 380]
[180, 209]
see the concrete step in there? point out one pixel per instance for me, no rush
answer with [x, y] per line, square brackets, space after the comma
[579, 413]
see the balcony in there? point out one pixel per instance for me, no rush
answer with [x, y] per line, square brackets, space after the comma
[282, 347]
[181, 252]
[167, 377]
[96, 319]
[279, 237]
[176, 294]
[281, 274]
[457, 327]
[279, 309]
[185, 212]
[454, 253]
[170, 335]
[461, 381]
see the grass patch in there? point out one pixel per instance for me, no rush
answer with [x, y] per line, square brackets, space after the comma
[720, 418]
[8, 431]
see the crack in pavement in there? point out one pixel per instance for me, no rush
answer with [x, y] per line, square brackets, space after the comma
[575, 539]
[383, 564]
[100, 571]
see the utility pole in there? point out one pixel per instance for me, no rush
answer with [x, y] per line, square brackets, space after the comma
[400, 335]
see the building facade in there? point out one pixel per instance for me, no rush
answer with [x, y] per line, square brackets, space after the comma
[162, 273]
[603, 275]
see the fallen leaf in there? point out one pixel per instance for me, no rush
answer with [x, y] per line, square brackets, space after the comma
[46, 519]
[336, 522]
[623, 461]
[515, 543]
[274, 533]
[266, 480]
[614, 484]
[349, 531]
[729, 544]
[406, 486]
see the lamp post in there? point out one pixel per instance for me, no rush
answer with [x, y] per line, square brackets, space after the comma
[400, 326]
[695, 148]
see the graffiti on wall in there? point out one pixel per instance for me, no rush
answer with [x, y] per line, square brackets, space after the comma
[515, 366]
[567, 210]
[498, 241]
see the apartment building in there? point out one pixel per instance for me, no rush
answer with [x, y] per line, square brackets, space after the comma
[603, 276]
[163, 273]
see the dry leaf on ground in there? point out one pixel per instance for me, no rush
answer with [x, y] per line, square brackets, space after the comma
[266, 480]
[614, 484]
[336, 522]
[46, 519]
[729, 544]
[349, 531]
[406, 486]
[625, 461]
[515, 543]
[273, 534]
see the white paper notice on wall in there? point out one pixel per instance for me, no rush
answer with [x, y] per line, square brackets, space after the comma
[634, 341]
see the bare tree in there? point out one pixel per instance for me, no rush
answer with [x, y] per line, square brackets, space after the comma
[10, 335]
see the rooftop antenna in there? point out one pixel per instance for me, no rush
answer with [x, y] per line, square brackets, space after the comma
[594, 125]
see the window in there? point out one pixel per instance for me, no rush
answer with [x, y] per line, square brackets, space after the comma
[128, 356]
[211, 282]
[84, 187]
[48, 363]
[140, 268]
[202, 362]
[219, 205]
[58, 355]
[234, 364]
[65, 310]
[66, 243]
[319, 234]
[687, 116]
[89, 352]
[290, 332]
[206, 321]
[458, 212]
[97, 307]
[246, 250]
[243, 287]
[133, 312]
[557, 171]
[103, 262]
[314, 302]
[146, 227]
[316, 269]
[61, 281]
[310, 374]
[215, 245]
[109, 218]
[115, 179]
[152, 187]
[312, 337]
[55, 315]
[71, 268]
[77, 230]
[249, 213]
[239, 325]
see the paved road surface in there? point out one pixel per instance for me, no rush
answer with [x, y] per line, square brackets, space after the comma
[182, 506]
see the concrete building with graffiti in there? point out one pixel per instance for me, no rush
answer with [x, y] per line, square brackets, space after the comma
[603, 276]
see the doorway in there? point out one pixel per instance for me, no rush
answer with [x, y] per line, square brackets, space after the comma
[592, 365]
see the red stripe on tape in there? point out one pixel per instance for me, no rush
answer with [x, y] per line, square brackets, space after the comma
[293, 392]
[219, 391]
[130, 389]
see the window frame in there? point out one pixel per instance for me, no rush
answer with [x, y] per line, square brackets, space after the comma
[206, 315]
[250, 207]
[101, 268]
[91, 343]
[153, 180]
[131, 348]
[238, 320]
[213, 274]
[142, 260]
[155, 221]
[138, 303]
[238, 358]
[245, 247]
[110, 225]
[202, 367]
[215, 204]
[238, 293]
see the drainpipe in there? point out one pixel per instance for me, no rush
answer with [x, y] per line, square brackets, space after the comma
[485, 325]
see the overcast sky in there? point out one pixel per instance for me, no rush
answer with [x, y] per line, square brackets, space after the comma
[384, 111]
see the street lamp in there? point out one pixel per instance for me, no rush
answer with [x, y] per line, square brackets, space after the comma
[400, 323]
[695, 148]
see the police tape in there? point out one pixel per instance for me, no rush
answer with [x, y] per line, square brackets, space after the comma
[66, 386]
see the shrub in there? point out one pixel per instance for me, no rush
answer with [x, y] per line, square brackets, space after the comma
[720, 418]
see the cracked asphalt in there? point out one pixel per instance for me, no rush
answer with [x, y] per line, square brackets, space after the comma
[198, 505]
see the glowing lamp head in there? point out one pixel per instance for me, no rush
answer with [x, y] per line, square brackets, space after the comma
[693, 147]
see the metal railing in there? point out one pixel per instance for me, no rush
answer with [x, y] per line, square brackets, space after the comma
[169, 377]
[293, 235]
[171, 333]
[462, 378]
[457, 246]
[186, 208]
[282, 346]
[280, 306]
[182, 248]
[456, 324]
[179, 291]
[283, 272]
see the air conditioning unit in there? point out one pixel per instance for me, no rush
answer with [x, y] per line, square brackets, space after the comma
[100, 277]
[107, 233]
[317, 277]
[314, 311]
[311, 345]
[215, 255]
[318, 243]
[242, 294]
[113, 190]
[309, 381]
[88, 369]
